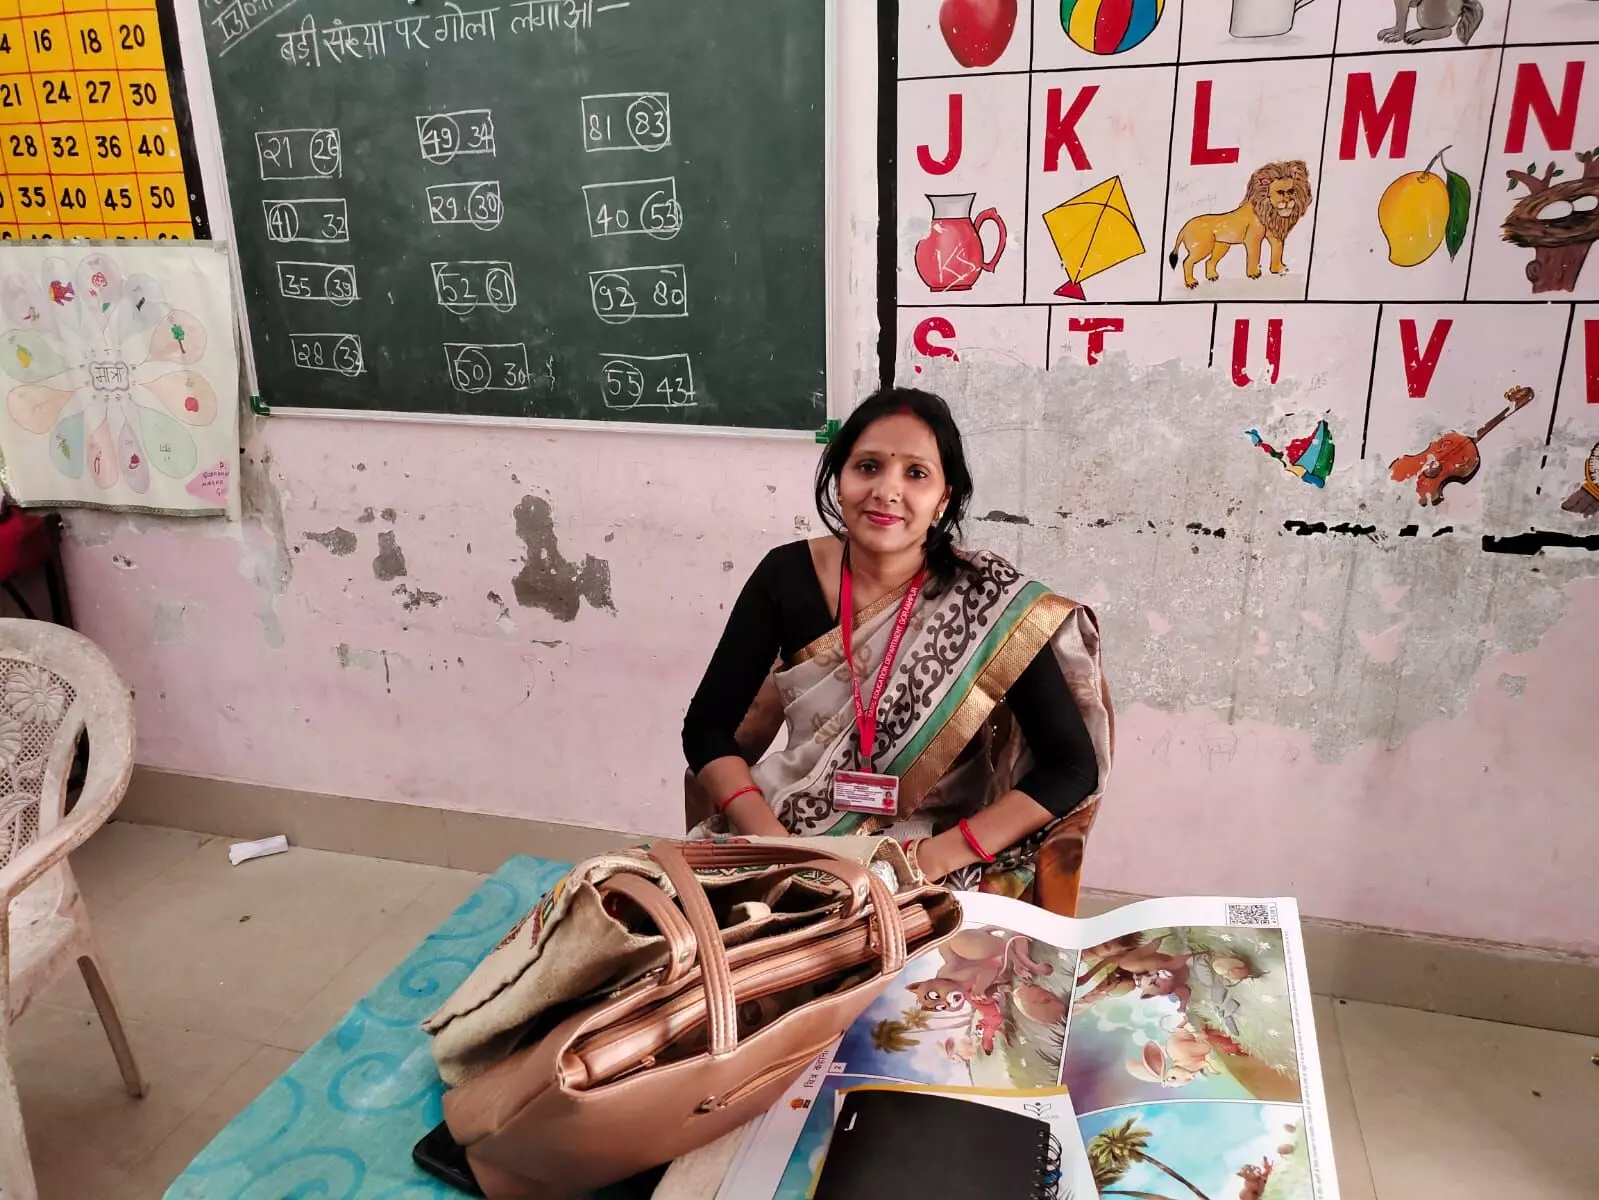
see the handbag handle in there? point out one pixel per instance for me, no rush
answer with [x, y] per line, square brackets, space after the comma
[885, 924]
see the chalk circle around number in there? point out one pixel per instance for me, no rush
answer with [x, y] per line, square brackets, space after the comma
[663, 228]
[340, 286]
[619, 312]
[347, 357]
[631, 382]
[483, 207]
[446, 136]
[501, 289]
[472, 371]
[283, 223]
[325, 151]
[644, 115]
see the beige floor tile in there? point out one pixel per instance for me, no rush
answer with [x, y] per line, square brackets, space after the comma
[1349, 1148]
[73, 1102]
[155, 1174]
[1471, 1110]
[367, 969]
[121, 858]
[236, 951]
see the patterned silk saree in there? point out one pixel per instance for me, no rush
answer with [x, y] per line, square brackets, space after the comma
[943, 727]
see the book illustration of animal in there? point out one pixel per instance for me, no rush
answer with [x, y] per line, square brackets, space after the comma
[1451, 457]
[1186, 1056]
[1276, 198]
[1434, 19]
[1255, 1179]
[976, 976]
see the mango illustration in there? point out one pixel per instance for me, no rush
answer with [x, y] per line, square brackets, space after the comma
[1422, 210]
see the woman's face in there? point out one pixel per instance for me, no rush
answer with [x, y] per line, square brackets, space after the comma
[893, 485]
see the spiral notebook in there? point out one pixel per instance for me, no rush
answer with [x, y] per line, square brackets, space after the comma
[894, 1143]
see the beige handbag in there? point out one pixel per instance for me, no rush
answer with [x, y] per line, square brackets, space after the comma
[727, 968]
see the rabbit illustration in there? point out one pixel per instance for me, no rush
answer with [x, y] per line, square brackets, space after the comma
[1185, 1058]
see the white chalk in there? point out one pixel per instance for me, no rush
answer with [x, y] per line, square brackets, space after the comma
[244, 851]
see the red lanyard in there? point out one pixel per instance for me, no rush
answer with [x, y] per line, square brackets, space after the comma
[866, 714]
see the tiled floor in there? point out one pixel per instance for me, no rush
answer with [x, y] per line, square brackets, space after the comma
[227, 973]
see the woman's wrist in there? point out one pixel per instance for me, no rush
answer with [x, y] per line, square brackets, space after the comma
[943, 853]
[749, 814]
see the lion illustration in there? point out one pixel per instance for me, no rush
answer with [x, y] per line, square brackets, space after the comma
[1278, 195]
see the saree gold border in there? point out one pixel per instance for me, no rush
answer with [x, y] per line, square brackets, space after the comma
[1040, 623]
[833, 640]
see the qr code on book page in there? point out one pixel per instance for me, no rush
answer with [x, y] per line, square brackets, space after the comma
[1252, 914]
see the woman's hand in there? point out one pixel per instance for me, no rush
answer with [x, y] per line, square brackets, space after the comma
[1002, 824]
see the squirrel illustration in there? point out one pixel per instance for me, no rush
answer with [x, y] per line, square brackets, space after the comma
[1255, 1179]
[1434, 19]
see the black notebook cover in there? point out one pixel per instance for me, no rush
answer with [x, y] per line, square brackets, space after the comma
[890, 1143]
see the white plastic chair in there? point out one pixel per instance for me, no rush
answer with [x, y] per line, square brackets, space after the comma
[54, 685]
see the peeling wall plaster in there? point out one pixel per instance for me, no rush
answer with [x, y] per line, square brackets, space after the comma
[1124, 475]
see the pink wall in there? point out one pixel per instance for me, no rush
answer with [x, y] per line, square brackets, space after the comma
[1480, 826]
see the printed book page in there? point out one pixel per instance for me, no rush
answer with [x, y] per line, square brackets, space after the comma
[1178, 1032]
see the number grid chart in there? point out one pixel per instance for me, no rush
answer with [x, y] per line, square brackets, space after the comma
[1384, 210]
[91, 142]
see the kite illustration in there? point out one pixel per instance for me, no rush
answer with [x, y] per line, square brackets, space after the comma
[1093, 232]
[1310, 459]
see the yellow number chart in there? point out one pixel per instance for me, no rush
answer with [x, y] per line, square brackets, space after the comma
[89, 142]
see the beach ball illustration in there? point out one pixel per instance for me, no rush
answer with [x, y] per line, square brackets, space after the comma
[1109, 26]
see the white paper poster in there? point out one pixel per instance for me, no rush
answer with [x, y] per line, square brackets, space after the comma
[120, 379]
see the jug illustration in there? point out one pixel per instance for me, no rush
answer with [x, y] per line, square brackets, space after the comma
[950, 257]
[1263, 18]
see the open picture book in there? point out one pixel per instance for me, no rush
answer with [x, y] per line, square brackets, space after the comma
[1167, 1046]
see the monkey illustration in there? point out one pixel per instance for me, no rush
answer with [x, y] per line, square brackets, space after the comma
[1254, 1179]
[1434, 19]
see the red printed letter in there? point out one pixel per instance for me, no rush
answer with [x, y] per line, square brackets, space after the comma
[1420, 364]
[1096, 328]
[1361, 111]
[1274, 349]
[1590, 349]
[943, 166]
[1531, 96]
[1202, 153]
[1062, 130]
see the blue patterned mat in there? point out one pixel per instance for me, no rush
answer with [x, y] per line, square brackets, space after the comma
[340, 1123]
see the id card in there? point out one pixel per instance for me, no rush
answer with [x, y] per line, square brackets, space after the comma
[863, 792]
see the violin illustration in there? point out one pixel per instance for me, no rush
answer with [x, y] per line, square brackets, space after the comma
[1451, 457]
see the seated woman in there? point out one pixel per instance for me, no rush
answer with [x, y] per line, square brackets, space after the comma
[961, 710]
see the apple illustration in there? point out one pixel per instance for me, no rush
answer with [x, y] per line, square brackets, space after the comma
[977, 31]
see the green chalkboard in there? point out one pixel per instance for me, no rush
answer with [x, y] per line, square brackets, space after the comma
[606, 210]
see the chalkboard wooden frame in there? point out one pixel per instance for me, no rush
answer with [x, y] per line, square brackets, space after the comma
[834, 366]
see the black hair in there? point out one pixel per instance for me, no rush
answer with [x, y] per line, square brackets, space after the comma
[942, 560]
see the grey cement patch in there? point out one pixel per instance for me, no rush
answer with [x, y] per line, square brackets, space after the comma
[547, 580]
[337, 541]
[390, 562]
[265, 561]
[412, 599]
[1121, 470]
[167, 623]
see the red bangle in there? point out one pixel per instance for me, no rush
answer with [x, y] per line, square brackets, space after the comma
[743, 791]
[977, 846]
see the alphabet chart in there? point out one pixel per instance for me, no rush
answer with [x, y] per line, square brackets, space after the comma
[89, 141]
[1383, 210]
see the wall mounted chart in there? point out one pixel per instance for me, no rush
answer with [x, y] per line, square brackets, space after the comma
[120, 378]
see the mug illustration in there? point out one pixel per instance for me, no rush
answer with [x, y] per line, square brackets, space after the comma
[950, 258]
[1263, 18]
